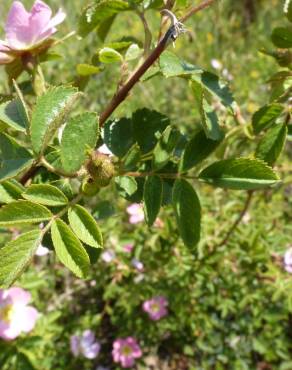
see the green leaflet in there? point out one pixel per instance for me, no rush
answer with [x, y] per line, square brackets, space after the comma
[69, 249]
[241, 173]
[187, 210]
[45, 194]
[23, 212]
[14, 158]
[152, 197]
[85, 226]
[79, 136]
[49, 113]
[16, 255]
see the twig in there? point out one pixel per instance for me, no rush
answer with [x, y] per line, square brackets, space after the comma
[238, 220]
[29, 174]
[196, 9]
[148, 34]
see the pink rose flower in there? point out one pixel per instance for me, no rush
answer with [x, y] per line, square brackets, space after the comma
[288, 260]
[156, 307]
[126, 351]
[15, 314]
[27, 30]
[128, 248]
[136, 213]
[85, 345]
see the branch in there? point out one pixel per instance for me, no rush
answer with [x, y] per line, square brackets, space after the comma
[238, 220]
[123, 92]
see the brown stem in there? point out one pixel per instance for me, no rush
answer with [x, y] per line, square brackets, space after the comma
[29, 174]
[239, 219]
[122, 93]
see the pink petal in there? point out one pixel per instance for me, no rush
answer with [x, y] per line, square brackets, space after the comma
[10, 332]
[39, 19]
[19, 296]
[126, 361]
[57, 19]
[16, 27]
[74, 345]
[28, 318]
[4, 46]
[92, 351]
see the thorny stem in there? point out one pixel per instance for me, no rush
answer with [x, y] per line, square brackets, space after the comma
[239, 219]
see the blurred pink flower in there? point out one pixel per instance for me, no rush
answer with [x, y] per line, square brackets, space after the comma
[128, 248]
[27, 30]
[137, 264]
[85, 345]
[288, 260]
[108, 256]
[126, 351]
[15, 314]
[136, 213]
[156, 307]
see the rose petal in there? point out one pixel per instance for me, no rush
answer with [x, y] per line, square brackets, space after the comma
[25, 318]
[16, 28]
[39, 19]
[19, 296]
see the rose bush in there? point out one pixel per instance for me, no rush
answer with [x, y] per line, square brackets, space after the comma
[144, 198]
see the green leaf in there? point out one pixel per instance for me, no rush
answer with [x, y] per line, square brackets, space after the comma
[127, 185]
[45, 194]
[69, 249]
[132, 158]
[148, 125]
[241, 173]
[152, 198]
[173, 66]
[10, 191]
[12, 114]
[133, 52]
[16, 255]
[216, 87]
[107, 55]
[209, 117]
[187, 212]
[14, 158]
[196, 150]
[118, 136]
[87, 69]
[272, 144]
[98, 12]
[282, 37]
[85, 226]
[266, 116]
[165, 147]
[49, 113]
[23, 212]
[80, 135]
